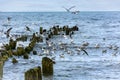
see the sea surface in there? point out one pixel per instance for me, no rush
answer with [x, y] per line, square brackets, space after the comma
[100, 29]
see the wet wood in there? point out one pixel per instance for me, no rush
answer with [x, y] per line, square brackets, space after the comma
[1, 70]
[47, 66]
[33, 74]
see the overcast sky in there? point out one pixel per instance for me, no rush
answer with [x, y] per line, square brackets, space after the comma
[56, 5]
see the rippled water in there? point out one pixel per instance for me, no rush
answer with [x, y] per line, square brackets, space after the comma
[101, 28]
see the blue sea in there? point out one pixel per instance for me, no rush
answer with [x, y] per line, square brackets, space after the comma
[101, 29]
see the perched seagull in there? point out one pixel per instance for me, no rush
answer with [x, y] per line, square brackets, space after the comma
[8, 22]
[110, 46]
[115, 47]
[97, 46]
[8, 32]
[85, 44]
[9, 18]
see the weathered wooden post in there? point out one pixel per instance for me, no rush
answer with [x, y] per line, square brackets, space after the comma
[14, 61]
[1, 69]
[67, 31]
[47, 66]
[12, 44]
[41, 30]
[20, 51]
[33, 74]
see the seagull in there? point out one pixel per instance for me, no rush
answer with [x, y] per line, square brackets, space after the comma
[110, 46]
[9, 18]
[68, 9]
[27, 28]
[85, 44]
[85, 52]
[8, 22]
[104, 51]
[8, 32]
[97, 46]
[115, 47]
[79, 49]
[61, 56]
[75, 12]
[115, 53]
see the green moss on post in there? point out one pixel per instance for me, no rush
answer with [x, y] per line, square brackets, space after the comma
[33, 74]
[14, 61]
[1, 70]
[28, 49]
[12, 44]
[41, 30]
[47, 66]
[10, 53]
[5, 58]
[39, 39]
[22, 38]
[55, 31]
[20, 51]
[7, 46]
[26, 56]
[15, 53]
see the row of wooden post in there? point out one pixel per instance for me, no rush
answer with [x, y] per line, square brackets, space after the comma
[36, 73]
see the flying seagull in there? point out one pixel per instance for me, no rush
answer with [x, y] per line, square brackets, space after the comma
[85, 52]
[8, 32]
[69, 10]
[27, 28]
[75, 12]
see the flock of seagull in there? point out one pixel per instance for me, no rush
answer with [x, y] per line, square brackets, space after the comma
[61, 46]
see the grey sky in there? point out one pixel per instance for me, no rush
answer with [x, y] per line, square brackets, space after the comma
[56, 5]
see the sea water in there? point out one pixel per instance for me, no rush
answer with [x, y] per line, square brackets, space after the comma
[101, 28]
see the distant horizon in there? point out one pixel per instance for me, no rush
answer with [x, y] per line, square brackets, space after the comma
[58, 11]
[58, 5]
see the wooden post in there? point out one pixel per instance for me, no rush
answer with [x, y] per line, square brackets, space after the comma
[12, 44]
[67, 31]
[1, 69]
[41, 30]
[20, 51]
[33, 74]
[47, 66]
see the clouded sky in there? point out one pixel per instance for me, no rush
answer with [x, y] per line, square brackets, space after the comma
[57, 5]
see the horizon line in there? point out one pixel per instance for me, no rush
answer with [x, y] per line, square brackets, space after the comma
[65, 11]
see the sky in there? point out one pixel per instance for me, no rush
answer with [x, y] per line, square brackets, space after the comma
[57, 5]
